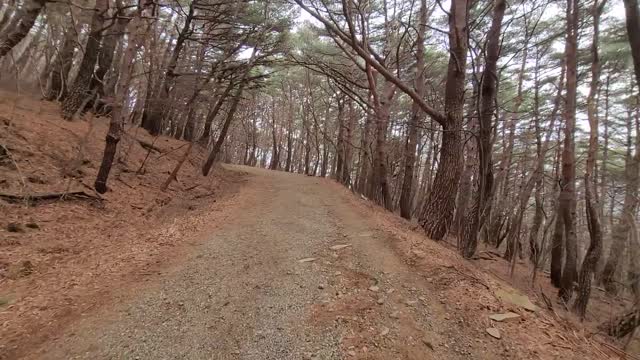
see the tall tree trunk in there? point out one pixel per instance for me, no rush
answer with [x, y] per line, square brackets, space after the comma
[537, 176]
[107, 53]
[633, 31]
[58, 83]
[437, 212]
[567, 197]
[380, 182]
[6, 14]
[112, 79]
[21, 24]
[622, 228]
[220, 99]
[26, 57]
[484, 183]
[80, 90]
[325, 146]
[225, 127]
[535, 180]
[155, 108]
[590, 194]
[365, 155]
[337, 174]
[275, 153]
[347, 143]
[118, 116]
[406, 197]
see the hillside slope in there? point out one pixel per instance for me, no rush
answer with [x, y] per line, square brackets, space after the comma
[61, 258]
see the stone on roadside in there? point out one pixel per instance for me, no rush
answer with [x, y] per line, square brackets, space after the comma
[14, 227]
[494, 332]
[505, 316]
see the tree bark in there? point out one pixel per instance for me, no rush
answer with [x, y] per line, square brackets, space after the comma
[476, 216]
[107, 53]
[623, 226]
[590, 194]
[380, 182]
[58, 83]
[437, 212]
[22, 22]
[81, 89]
[567, 197]
[225, 128]
[633, 31]
[220, 99]
[337, 174]
[406, 197]
[155, 108]
[348, 139]
[118, 116]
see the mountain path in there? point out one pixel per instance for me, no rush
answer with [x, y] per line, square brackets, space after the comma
[268, 285]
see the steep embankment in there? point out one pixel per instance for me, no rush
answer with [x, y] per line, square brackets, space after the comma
[63, 257]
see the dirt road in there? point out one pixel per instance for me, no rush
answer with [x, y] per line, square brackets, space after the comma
[274, 283]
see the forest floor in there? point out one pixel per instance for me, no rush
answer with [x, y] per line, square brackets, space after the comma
[248, 264]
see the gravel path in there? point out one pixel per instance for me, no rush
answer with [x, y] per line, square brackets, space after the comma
[295, 272]
[242, 294]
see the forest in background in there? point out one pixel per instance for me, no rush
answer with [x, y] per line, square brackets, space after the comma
[505, 125]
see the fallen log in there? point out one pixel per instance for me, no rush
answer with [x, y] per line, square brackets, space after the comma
[35, 198]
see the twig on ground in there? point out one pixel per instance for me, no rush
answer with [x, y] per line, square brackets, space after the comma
[192, 187]
[151, 147]
[170, 151]
[204, 195]
[34, 198]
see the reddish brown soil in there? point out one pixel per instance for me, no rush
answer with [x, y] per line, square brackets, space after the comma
[87, 256]
[80, 251]
[467, 291]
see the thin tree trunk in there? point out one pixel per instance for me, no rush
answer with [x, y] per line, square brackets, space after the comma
[220, 99]
[107, 53]
[346, 166]
[406, 197]
[365, 155]
[174, 173]
[590, 194]
[58, 83]
[118, 116]
[155, 108]
[337, 174]
[620, 231]
[380, 181]
[225, 128]
[475, 218]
